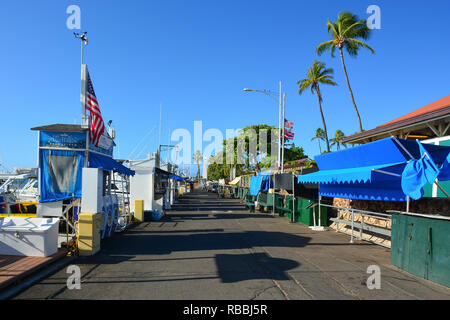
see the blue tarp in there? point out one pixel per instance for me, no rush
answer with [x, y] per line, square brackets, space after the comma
[444, 174]
[350, 173]
[255, 185]
[267, 183]
[61, 174]
[418, 173]
[108, 164]
[261, 183]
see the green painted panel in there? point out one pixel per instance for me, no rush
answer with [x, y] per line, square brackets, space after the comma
[270, 198]
[428, 191]
[445, 143]
[439, 270]
[417, 239]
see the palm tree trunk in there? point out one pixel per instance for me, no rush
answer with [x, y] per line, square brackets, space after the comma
[350, 89]
[320, 149]
[319, 96]
[198, 169]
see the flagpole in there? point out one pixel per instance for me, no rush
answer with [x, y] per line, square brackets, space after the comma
[84, 41]
[82, 51]
[279, 132]
[284, 119]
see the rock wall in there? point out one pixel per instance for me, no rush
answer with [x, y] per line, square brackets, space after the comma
[439, 206]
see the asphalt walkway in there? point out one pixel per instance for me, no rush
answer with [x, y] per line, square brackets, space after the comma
[209, 248]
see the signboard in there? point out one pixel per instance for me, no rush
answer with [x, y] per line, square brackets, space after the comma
[105, 145]
[71, 140]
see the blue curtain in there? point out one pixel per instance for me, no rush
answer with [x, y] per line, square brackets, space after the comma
[61, 174]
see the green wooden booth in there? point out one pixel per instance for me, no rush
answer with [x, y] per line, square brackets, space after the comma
[420, 246]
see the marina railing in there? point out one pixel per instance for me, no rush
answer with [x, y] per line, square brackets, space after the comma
[362, 226]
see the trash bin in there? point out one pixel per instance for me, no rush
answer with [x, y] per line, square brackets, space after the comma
[305, 210]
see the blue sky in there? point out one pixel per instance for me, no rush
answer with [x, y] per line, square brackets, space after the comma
[195, 57]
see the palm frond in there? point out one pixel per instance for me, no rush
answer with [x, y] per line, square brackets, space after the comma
[358, 29]
[327, 71]
[317, 73]
[332, 50]
[359, 44]
[321, 48]
[328, 81]
[331, 28]
[351, 48]
[303, 85]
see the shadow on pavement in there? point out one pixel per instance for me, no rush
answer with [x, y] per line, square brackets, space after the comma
[241, 267]
[143, 242]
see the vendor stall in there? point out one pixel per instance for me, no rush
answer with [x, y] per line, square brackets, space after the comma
[393, 170]
[75, 175]
[149, 184]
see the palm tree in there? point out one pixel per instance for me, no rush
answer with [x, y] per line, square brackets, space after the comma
[337, 140]
[345, 33]
[317, 74]
[197, 158]
[320, 135]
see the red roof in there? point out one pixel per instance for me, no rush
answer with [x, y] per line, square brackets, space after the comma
[437, 109]
[435, 106]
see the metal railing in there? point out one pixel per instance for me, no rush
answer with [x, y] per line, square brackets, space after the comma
[362, 226]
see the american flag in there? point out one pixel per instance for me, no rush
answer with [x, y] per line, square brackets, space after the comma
[288, 124]
[97, 124]
[288, 135]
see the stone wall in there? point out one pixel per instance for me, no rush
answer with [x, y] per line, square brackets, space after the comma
[439, 206]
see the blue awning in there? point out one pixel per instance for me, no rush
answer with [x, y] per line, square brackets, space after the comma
[381, 187]
[355, 173]
[177, 178]
[102, 162]
[349, 175]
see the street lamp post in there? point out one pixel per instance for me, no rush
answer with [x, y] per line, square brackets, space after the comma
[280, 131]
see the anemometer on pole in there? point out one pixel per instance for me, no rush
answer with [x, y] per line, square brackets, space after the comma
[84, 42]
